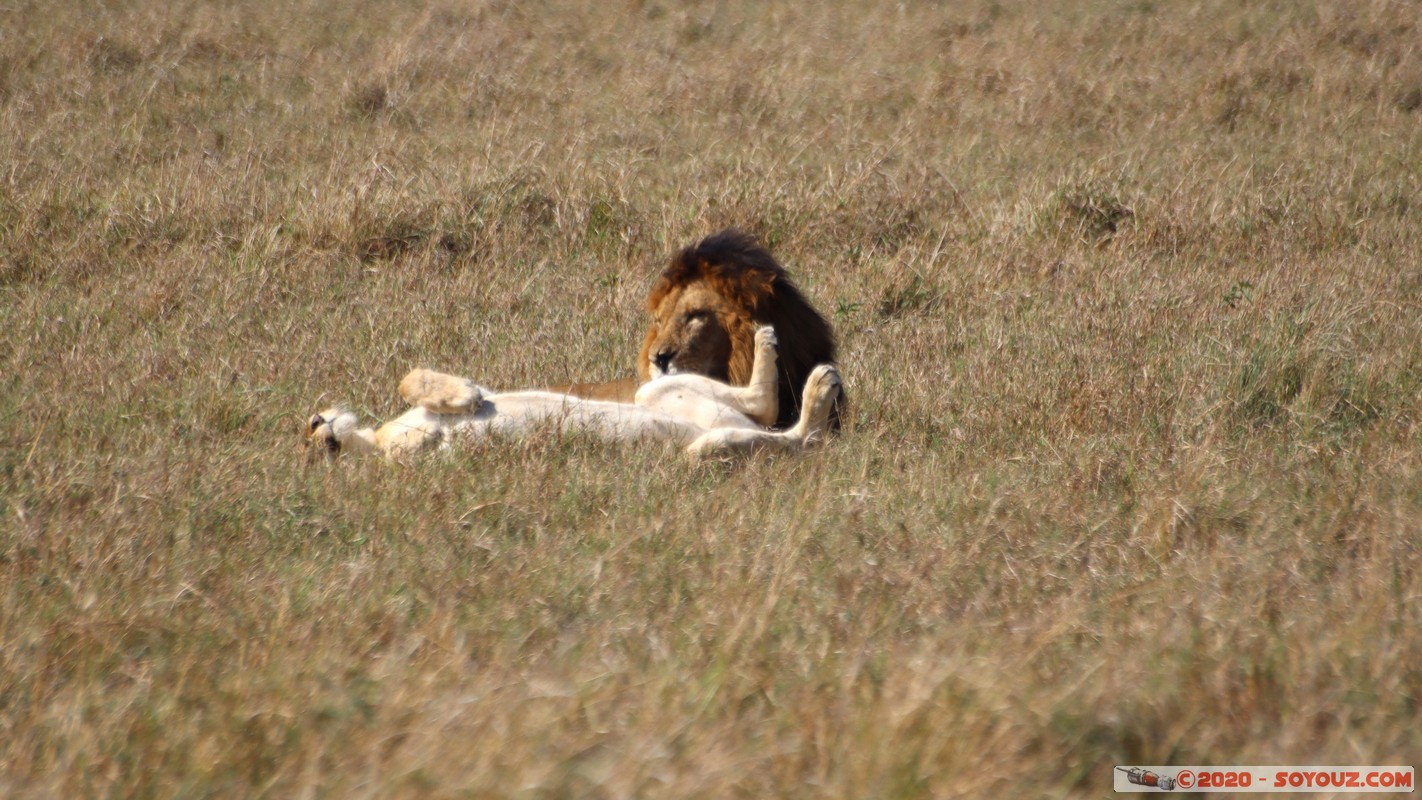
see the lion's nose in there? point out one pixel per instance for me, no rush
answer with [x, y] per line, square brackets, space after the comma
[663, 360]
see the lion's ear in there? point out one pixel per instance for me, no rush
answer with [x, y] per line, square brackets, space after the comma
[747, 288]
[760, 286]
[765, 283]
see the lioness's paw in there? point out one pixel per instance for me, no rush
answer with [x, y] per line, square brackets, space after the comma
[440, 393]
[765, 337]
[824, 378]
[822, 389]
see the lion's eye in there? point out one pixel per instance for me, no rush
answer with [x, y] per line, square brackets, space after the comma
[693, 316]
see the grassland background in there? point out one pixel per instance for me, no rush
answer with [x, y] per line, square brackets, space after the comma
[1128, 297]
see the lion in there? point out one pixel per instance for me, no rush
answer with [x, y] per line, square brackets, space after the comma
[708, 417]
[705, 308]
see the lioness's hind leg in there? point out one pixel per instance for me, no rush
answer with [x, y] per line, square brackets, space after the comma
[440, 393]
[822, 390]
[725, 442]
[760, 400]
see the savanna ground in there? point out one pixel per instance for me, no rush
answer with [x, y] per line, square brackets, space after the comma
[1128, 296]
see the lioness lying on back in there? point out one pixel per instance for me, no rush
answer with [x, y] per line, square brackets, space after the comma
[704, 415]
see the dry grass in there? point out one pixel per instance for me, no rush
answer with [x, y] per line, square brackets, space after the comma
[1128, 295]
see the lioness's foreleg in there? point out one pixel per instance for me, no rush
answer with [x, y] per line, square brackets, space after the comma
[439, 392]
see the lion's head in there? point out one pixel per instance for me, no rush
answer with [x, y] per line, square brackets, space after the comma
[706, 306]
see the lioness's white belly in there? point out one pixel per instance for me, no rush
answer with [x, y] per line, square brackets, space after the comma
[667, 409]
[706, 404]
[515, 414]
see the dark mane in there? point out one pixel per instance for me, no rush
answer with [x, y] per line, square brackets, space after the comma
[730, 253]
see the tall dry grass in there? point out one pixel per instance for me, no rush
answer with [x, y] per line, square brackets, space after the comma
[1128, 297]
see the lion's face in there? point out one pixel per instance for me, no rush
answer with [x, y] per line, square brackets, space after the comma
[706, 306]
[692, 332]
